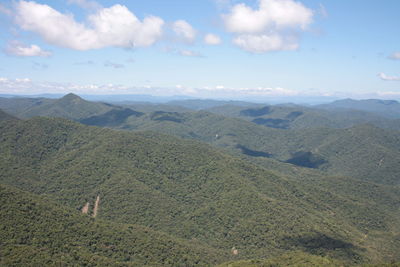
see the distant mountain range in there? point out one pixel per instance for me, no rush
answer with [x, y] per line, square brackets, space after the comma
[385, 108]
[242, 184]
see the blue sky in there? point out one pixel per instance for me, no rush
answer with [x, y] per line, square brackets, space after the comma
[202, 48]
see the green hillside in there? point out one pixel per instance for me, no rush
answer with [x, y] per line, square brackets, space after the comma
[300, 117]
[38, 232]
[70, 107]
[19, 105]
[294, 259]
[6, 116]
[386, 108]
[195, 192]
[363, 151]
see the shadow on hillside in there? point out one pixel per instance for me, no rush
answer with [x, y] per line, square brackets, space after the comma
[321, 244]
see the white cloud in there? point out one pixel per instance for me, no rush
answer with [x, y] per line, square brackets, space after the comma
[395, 55]
[264, 43]
[115, 26]
[190, 53]
[271, 14]
[212, 39]
[269, 27]
[16, 48]
[388, 93]
[87, 4]
[27, 86]
[184, 30]
[385, 77]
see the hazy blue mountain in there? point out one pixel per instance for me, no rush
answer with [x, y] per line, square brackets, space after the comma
[385, 108]
[198, 104]
[298, 117]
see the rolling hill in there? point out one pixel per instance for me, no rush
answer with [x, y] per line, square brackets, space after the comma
[301, 117]
[6, 116]
[69, 106]
[192, 191]
[385, 108]
[363, 151]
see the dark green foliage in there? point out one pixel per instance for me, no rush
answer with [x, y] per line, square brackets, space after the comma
[306, 159]
[253, 153]
[273, 123]
[6, 116]
[293, 259]
[166, 116]
[38, 232]
[364, 151]
[294, 115]
[192, 191]
[256, 112]
[111, 118]
[17, 105]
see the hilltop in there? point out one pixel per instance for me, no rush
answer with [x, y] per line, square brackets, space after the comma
[69, 106]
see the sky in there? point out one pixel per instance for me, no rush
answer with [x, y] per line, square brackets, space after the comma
[236, 49]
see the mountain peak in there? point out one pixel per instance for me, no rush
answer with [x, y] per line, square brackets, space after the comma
[71, 96]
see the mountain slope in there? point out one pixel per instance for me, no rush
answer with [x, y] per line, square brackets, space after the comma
[36, 231]
[364, 151]
[19, 105]
[385, 108]
[70, 107]
[6, 116]
[192, 191]
[300, 117]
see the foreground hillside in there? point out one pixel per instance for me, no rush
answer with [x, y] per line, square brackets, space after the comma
[38, 232]
[194, 192]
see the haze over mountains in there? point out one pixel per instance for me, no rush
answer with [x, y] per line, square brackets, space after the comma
[198, 183]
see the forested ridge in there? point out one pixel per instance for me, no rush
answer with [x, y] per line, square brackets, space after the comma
[234, 200]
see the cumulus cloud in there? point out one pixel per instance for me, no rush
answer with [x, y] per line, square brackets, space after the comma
[17, 48]
[263, 42]
[27, 86]
[385, 77]
[269, 27]
[184, 30]
[115, 26]
[395, 55]
[212, 39]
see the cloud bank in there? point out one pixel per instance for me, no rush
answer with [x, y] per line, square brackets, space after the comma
[385, 77]
[274, 26]
[115, 26]
[16, 48]
[212, 39]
